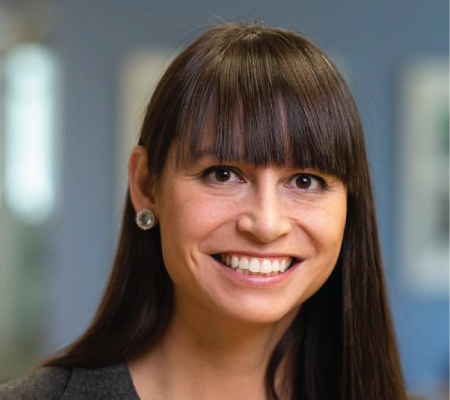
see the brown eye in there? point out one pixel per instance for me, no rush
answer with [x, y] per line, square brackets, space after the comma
[219, 174]
[222, 175]
[304, 181]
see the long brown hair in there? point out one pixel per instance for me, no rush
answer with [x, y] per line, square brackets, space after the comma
[284, 101]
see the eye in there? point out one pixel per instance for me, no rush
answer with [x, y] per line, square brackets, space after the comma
[309, 182]
[219, 174]
[304, 181]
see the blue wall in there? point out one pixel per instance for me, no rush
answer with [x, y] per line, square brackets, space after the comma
[369, 39]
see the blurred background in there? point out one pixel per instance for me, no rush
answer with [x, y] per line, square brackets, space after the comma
[74, 80]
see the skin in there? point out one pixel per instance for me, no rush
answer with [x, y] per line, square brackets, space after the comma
[222, 333]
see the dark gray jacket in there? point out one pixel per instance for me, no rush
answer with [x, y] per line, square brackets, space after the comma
[53, 383]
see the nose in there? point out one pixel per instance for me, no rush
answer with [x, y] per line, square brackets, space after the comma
[266, 217]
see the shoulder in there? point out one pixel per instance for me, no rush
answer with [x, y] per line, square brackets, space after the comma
[111, 382]
[46, 383]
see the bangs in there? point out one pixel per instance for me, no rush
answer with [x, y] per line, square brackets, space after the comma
[266, 99]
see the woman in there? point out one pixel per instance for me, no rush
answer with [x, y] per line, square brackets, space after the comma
[249, 263]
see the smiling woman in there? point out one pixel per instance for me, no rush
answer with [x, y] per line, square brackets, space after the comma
[281, 226]
[254, 269]
[267, 221]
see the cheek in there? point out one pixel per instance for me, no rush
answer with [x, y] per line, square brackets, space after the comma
[188, 219]
[191, 215]
[188, 222]
[325, 228]
[179, 212]
[331, 230]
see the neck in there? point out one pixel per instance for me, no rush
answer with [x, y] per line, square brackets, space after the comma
[204, 355]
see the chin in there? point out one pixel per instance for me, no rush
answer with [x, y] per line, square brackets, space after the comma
[251, 313]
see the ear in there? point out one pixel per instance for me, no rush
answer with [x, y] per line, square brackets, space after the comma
[141, 185]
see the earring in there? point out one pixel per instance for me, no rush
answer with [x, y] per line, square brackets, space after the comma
[145, 219]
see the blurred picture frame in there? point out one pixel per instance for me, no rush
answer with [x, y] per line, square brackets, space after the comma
[423, 179]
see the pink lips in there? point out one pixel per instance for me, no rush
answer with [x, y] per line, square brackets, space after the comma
[256, 281]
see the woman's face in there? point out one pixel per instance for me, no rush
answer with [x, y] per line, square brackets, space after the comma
[257, 218]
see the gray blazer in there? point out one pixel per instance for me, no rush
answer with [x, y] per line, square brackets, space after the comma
[53, 383]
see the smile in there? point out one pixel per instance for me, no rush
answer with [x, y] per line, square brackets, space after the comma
[249, 265]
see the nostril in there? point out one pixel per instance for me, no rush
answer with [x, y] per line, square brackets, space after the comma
[264, 227]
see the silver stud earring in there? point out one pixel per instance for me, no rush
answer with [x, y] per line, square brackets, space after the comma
[145, 219]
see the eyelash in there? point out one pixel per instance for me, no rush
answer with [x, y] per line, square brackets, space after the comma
[208, 171]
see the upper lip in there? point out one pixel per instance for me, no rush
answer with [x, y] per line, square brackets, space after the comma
[258, 255]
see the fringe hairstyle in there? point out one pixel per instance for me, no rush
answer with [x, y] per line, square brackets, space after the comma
[267, 96]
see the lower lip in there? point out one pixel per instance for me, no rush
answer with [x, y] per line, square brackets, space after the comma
[257, 281]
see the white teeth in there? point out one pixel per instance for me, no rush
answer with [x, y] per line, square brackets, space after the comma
[275, 266]
[254, 265]
[243, 263]
[266, 266]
